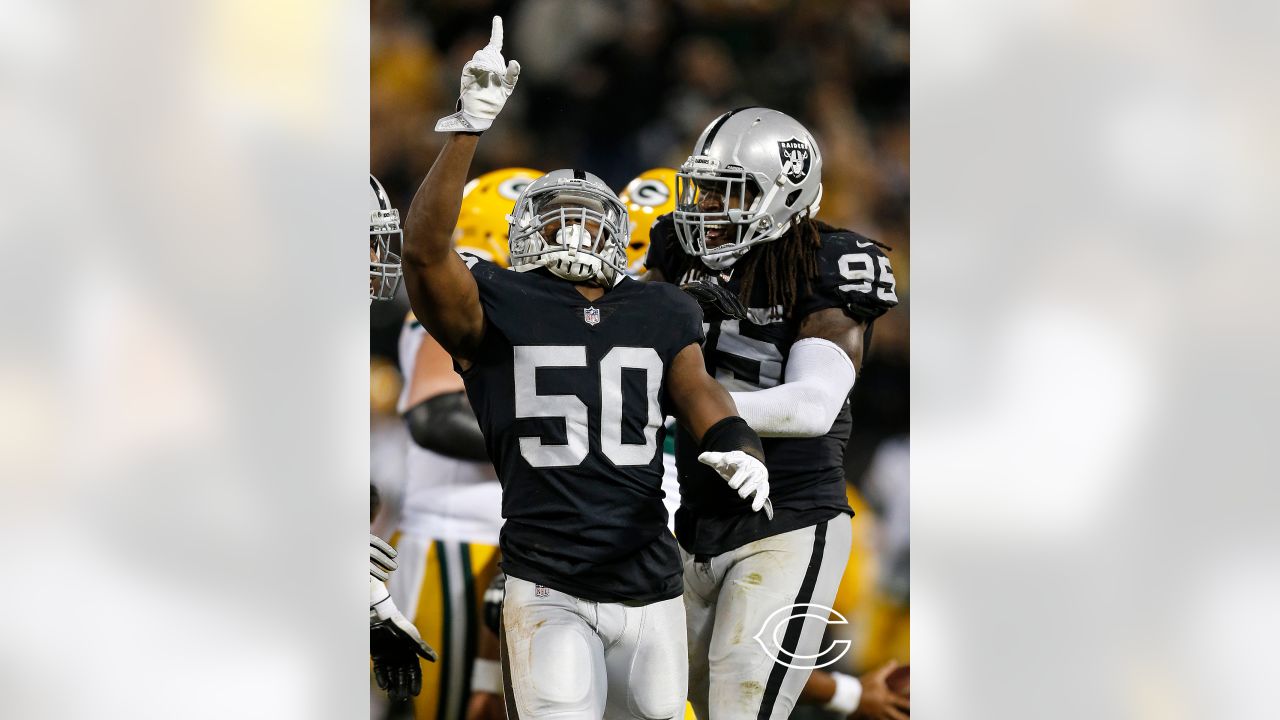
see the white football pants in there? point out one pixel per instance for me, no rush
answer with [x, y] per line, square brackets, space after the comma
[754, 621]
[568, 658]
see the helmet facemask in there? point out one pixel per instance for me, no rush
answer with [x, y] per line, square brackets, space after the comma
[716, 216]
[385, 242]
[573, 229]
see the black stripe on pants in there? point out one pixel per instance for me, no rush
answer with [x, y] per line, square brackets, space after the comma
[796, 624]
[508, 694]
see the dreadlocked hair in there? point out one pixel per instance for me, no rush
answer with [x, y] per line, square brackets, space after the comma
[788, 264]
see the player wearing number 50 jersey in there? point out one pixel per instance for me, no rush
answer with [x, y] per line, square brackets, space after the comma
[570, 366]
[744, 220]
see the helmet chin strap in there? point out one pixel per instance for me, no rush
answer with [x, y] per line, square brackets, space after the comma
[722, 261]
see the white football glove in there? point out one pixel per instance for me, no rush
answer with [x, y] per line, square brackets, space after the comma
[745, 474]
[487, 80]
[382, 558]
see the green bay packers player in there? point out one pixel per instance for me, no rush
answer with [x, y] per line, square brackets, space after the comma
[570, 366]
[486, 203]
[451, 513]
[648, 196]
[744, 220]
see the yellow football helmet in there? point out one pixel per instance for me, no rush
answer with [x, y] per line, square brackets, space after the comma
[486, 203]
[651, 194]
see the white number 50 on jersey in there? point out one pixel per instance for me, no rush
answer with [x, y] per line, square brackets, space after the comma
[530, 404]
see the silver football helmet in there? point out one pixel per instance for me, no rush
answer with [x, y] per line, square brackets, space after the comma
[571, 223]
[753, 172]
[385, 241]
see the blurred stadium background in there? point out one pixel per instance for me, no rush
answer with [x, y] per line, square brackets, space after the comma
[620, 86]
[1094, 183]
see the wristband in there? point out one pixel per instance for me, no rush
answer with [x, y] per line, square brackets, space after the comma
[847, 697]
[730, 434]
[486, 676]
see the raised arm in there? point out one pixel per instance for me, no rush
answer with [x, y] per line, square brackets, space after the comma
[441, 290]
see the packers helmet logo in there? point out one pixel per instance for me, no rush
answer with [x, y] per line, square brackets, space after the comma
[512, 187]
[795, 158]
[650, 193]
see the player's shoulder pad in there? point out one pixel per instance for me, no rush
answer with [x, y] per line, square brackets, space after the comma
[664, 224]
[854, 273]
[476, 263]
[662, 242]
[679, 310]
[672, 295]
[481, 269]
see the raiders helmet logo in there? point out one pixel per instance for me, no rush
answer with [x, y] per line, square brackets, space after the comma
[795, 159]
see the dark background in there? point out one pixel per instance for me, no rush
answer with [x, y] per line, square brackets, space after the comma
[620, 86]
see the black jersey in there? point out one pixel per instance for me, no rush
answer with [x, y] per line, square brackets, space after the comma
[806, 475]
[571, 395]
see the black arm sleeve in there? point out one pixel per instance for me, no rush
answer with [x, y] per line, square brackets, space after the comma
[447, 425]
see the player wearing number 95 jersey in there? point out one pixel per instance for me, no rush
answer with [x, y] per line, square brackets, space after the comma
[745, 203]
[570, 366]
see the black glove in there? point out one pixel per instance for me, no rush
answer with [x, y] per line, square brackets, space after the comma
[395, 660]
[717, 303]
[395, 645]
[493, 596]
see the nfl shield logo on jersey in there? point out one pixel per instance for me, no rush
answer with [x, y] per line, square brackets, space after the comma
[591, 315]
[540, 591]
[795, 159]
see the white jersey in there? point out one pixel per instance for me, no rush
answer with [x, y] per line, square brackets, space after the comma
[444, 498]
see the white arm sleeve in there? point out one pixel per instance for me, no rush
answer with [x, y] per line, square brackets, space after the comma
[819, 377]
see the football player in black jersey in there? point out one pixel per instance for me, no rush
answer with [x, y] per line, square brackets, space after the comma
[570, 367]
[744, 219]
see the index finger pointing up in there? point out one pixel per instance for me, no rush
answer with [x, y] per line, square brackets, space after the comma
[495, 35]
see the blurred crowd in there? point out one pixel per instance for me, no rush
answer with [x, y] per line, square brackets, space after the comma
[620, 86]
